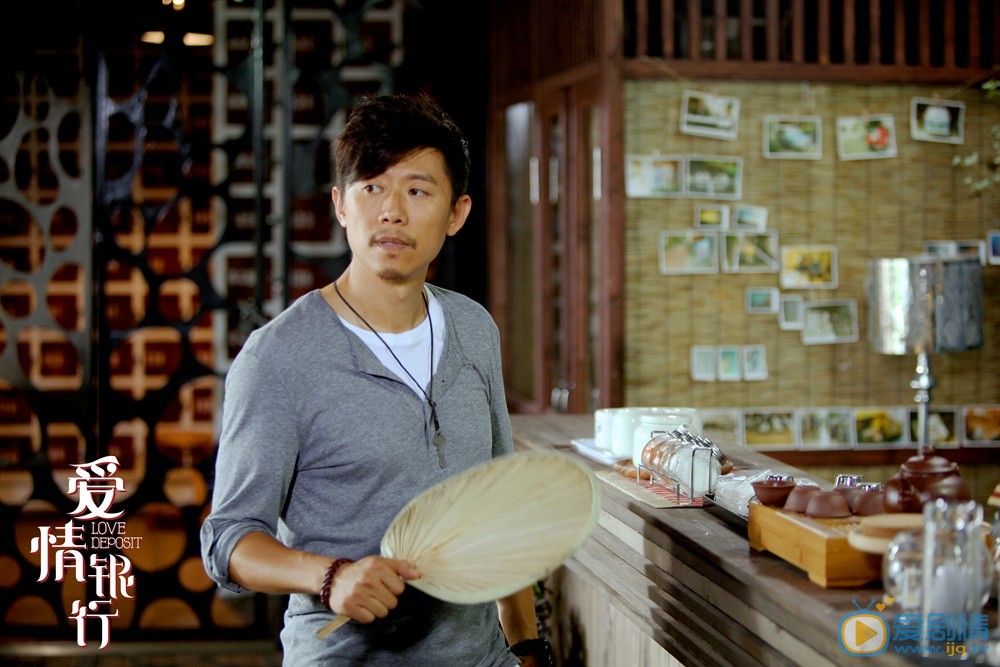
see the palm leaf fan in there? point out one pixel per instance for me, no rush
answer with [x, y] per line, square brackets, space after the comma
[493, 529]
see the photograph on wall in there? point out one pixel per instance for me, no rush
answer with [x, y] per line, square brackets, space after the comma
[711, 216]
[941, 248]
[689, 251]
[762, 300]
[749, 252]
[729, 364]
[654, 176]
[707, 115]
[703, 363]
[754, 362]
[866, 137]
[769, 428]
[714, 177]
[722, 426]
[937, 120]
[808, 267]
[826, 428]
[981, 425]
[943, 426]
[750, 218]
[828, 322]
[880, 427]
[793, 137]
[973, 247]
[993, 246]
[790, 316]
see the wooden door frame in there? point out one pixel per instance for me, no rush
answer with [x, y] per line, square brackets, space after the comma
[580, 97]
[550, 102]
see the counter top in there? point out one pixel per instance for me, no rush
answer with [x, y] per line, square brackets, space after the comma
[689, 580]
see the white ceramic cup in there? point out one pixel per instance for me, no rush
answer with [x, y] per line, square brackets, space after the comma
[603, 426]
[644, 423]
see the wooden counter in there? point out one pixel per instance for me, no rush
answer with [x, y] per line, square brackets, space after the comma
[680, 586]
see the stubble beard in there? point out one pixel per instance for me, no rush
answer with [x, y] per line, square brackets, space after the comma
[391, 275]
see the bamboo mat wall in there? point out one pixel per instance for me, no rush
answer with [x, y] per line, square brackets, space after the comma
[868, 209]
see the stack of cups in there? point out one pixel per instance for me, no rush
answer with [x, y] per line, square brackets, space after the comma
[625, 431]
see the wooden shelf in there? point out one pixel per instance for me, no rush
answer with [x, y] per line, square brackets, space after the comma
[876, 457]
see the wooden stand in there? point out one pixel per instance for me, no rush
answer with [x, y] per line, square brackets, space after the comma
[818, 546]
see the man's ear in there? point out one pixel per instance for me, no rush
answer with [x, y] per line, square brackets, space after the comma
[338, 206]
[459, 214]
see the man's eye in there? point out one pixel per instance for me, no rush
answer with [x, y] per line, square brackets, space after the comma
[417, 192]
[371, 188]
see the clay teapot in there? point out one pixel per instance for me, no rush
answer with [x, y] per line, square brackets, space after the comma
[951, 488]
[900, 495]
[927, 467]
[920, 479]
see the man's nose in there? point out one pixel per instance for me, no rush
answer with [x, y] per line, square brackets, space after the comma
[392, 208]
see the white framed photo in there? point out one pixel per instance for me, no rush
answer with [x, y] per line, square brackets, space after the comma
[826, 428]
[708, 115]
[808, 267]
[981, 425]
[762, 300]
[722, 425]
[793, 137]
[754, 362]
[829, 322]
[941, 121]
[941, 248]
[750, 252]
[729, 367]
[750, 218]
[689, 251]
[711, 216]
[974, 247]
[880, 427]
[769, 428]
[944, 426]
[654, 176]
[703, 363]
[714, 176]
[790, 312]
[866, 137]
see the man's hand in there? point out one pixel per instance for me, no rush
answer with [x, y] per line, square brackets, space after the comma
[369, 588]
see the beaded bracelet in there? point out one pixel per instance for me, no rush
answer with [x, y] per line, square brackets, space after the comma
[331, 572]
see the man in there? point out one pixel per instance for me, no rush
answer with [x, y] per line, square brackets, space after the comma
[354, 400]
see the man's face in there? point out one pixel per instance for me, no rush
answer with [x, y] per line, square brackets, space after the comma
[396, 222]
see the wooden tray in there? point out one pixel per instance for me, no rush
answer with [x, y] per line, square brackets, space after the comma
[818, 546]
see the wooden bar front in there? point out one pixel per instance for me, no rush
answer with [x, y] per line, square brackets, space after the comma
[681, 586]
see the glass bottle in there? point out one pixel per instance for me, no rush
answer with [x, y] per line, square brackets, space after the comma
[953, 573]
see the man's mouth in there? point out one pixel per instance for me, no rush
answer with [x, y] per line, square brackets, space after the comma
[391, 243]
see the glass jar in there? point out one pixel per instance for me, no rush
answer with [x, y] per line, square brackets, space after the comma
[957, 571]
[902, 571]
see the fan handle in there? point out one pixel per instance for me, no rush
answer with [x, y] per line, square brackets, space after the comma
[332, 625]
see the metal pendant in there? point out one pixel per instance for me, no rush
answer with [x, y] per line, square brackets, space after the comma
[439, 443]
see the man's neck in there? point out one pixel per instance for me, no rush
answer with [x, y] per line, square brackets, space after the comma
[386, 307]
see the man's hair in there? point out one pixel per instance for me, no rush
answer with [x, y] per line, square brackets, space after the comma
[381, 131]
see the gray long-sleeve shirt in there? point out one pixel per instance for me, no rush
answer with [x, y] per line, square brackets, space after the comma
[322, 445]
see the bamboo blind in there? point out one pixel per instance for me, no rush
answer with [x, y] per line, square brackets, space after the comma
[868, 209]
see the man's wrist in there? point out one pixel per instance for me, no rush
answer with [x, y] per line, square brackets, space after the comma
[331, 572]
[537, 648]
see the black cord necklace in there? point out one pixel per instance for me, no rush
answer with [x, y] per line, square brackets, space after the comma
[438, 437]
